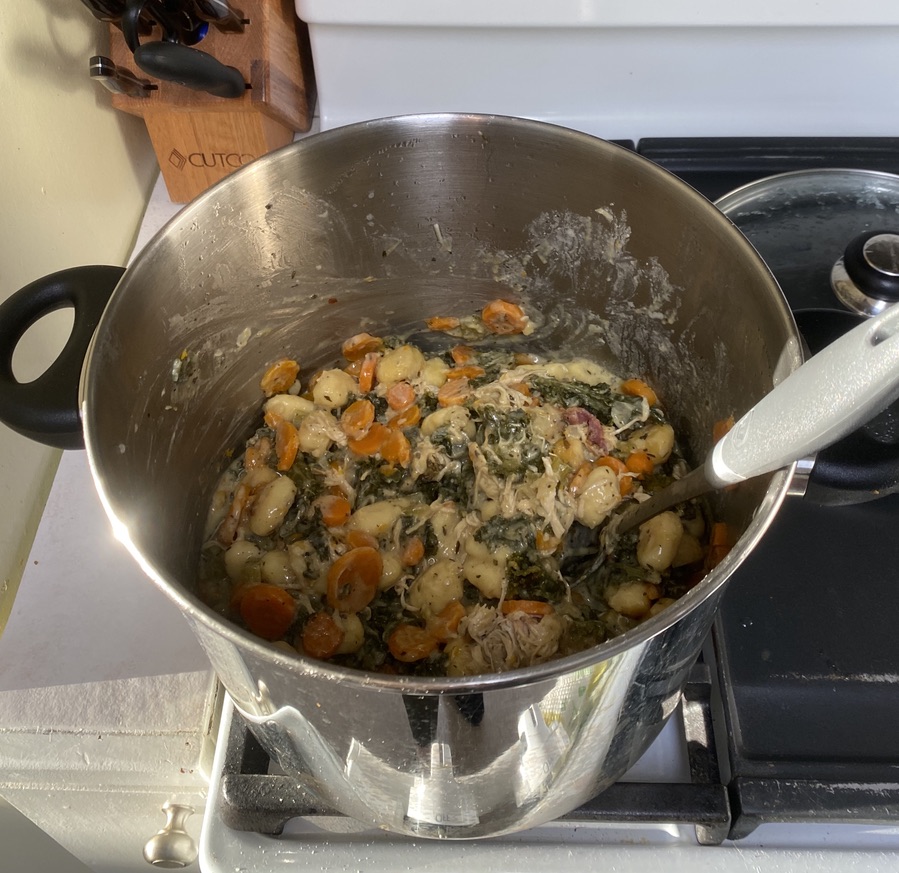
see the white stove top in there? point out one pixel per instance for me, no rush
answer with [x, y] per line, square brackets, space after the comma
[334, 843]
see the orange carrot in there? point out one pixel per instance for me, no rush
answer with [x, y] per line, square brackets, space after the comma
[407, 418]
[367, 372]
[720, 428]
[287, 444]
[356, 538]
[227, 531]
[546, 542]
[503, 317]
[357, 418]
[442, 322]
[360, 345]
[639, 463]
[267, 610]
[396, 449]
[625, 485]
[719, 544]
[469, 371]
[528, 607]
[638, 388]
[453, 392]
[413, 552]
[279, 377]
[461, 354]
[445, 624]
[335, 509]
[258, 453]
[322, 636]
[576, 483]
[409, 643]
[371, 443]
[400, 396]
[353, 579]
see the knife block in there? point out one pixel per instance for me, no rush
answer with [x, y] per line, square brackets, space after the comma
[199, 138]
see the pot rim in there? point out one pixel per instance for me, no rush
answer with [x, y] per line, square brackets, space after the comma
[197, 611]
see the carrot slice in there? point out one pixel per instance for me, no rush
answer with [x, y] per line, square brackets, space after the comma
[461, 354]
[360, 345]
[503, 317]
[445, 624]
[227, 531]
[453, 392]
[357, 418]
[638, 388]
[322, 636]
[413, 552]
[356, 538]
[400, 396]
[625, 485]
[639, 463]
[546, 542]
[720, 428]
[409, 643]
[396, 449]
[279, 377]
[267, 611]
[258, 453]
[367, 372]
[371, 443]
[719, 544]
[442, 322]
[353, 368]
[407, 418]
[528, 607]
[353, 579]
[287, 444]
[469, 371]
[576, 483]
[335, 509]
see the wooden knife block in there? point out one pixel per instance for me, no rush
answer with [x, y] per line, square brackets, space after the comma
[199, 138]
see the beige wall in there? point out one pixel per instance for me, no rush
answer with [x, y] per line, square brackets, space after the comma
[74, 180]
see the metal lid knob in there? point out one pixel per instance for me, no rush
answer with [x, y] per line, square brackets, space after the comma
[866, 278]
[172, 847]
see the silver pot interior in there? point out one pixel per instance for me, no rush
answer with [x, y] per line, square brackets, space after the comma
[379, 225]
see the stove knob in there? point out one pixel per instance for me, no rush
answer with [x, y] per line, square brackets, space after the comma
[172, 847]
[866, 278]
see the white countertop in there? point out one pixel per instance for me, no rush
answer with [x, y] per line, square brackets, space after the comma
[85, 611]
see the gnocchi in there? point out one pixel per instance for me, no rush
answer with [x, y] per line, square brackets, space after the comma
[439, 509]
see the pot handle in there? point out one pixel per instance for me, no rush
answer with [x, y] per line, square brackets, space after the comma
[46, 410]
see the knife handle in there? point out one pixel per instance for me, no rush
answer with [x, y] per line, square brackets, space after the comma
[118, 79]
[189, 67]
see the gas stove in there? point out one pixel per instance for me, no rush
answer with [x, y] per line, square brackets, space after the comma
[783, 750]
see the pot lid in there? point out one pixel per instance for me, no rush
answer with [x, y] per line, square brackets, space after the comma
[814, 228]
[802, 223]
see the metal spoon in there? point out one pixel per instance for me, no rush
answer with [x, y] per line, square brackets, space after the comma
[829, 396]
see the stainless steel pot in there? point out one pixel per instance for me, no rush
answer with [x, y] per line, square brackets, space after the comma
[379, 225]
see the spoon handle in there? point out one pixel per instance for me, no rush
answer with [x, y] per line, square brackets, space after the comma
[829, 396]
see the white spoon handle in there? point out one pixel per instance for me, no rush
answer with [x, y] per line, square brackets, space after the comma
[833, 393]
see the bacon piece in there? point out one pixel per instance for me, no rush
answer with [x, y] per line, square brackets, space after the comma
[595, 432]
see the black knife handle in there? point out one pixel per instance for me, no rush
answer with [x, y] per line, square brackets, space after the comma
[46, 410]
[189, 67]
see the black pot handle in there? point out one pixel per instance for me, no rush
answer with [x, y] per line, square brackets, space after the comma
[865, 464]
[46, 410]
